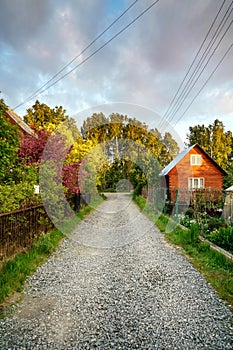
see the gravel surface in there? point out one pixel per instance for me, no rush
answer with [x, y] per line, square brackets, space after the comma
[116, 284]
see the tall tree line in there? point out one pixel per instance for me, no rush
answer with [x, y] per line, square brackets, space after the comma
[134, 151]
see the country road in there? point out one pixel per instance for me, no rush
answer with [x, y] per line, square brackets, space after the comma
[115, 283]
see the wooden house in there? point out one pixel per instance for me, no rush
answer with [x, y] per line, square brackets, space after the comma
[16, 120]
[193, 169]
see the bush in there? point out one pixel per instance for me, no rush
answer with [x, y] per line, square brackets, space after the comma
[17, 196]
[216, 223]
[190, 213]
[223, 237]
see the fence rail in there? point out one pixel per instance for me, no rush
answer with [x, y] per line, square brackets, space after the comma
[19, 228]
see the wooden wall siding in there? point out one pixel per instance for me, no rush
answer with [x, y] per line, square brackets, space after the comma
[178, 176]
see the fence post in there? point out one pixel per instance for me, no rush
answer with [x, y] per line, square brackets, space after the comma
[77, 198]
[177, 209]
[165, 204]
[156, 198]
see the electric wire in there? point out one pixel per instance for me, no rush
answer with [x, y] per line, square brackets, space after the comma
[190, 67]
[210, 76]
[199, 75]
[90, 56]
[187, 89]
[77, 56]
[170, 113]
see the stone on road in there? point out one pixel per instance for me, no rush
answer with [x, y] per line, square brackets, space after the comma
[116, 284]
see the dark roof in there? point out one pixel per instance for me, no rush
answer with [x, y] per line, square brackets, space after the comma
[181, 155]
[25, 127]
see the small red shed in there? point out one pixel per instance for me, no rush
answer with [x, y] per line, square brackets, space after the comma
[192, 169]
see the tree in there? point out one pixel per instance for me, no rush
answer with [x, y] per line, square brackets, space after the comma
[214, 140]
[95, 128]
[31, 148]
[41, 116]
[201, 135]
[126, 142]
[9, 144]
[169, 150]
[221, 144]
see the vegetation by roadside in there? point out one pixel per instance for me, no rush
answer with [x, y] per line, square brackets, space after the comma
[217, 269]
[15, 271]
[215, 229]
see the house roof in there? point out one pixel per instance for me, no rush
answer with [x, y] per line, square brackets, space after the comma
[23, 126]
[230, 189]
[181, 155]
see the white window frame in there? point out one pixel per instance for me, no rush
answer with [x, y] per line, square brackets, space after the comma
[195, 159]
[192, 181]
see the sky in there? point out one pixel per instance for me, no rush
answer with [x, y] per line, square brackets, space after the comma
[142, 67]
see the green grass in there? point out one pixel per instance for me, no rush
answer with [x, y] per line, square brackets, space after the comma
[14, 272]
[216, 268]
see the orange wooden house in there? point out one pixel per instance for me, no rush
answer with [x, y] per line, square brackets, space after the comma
[191, 170]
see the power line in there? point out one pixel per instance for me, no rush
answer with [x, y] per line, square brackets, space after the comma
[187, 89]
[39, 91]
[170, 113]
[76, 57]
[210, 76]
[187, 92]
[190, 67]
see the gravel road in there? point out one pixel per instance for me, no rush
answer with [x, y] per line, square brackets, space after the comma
[116, 284]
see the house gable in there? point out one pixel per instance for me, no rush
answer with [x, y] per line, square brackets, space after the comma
[180, 173]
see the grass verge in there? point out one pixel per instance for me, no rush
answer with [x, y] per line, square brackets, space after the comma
[216, 268]
[15, 271]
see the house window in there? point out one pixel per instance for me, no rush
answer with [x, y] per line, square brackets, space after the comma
[195, 182]
[195, 159]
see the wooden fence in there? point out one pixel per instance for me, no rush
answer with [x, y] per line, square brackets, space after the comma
[19, 228]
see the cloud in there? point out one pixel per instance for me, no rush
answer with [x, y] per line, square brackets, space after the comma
[22, 20]
[143, 65]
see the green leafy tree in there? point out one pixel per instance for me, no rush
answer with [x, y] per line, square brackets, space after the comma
[41, 116]
[9, 144]
[95, 128]
[128, 142]
[214, 140]
[169, 150]
[221, 145]
[200, 134]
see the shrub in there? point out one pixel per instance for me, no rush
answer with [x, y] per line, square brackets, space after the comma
[17, 196]
[223, 237]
